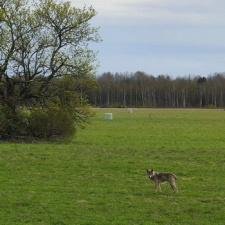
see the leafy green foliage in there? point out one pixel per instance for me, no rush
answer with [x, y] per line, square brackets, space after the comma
[52, 123]
[42, 45]
[11, 123]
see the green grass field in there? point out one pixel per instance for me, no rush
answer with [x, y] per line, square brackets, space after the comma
[99, 178]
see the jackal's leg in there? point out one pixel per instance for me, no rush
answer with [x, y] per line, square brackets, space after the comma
[156, 186]
[173, 185]
[159, 187]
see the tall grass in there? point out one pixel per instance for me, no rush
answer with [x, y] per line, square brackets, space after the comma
[100, 177]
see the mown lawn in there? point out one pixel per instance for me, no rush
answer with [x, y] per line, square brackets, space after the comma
[99, 178]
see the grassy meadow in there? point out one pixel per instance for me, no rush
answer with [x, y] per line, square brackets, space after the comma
[99, 178]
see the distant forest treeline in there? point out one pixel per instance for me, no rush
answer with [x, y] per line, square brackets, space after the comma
[142, 90]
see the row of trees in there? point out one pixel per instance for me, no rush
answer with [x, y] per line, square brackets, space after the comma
[142, 90]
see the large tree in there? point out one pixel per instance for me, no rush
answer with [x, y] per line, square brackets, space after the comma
[42, 45]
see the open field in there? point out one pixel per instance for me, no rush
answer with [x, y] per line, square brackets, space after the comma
[100, 177]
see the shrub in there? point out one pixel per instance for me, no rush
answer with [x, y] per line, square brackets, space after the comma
[53, 122]
[12, 124]
[211, 106]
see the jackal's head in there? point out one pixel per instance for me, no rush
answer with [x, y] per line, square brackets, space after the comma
[150, 173]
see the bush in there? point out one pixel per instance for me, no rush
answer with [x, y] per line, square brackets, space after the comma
[56, 122]
[211, 106]
[12, 124]
[51, 123]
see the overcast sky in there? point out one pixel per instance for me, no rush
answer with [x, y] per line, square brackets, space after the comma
[172, 37]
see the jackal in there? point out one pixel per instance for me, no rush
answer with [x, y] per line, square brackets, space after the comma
[162, 177]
